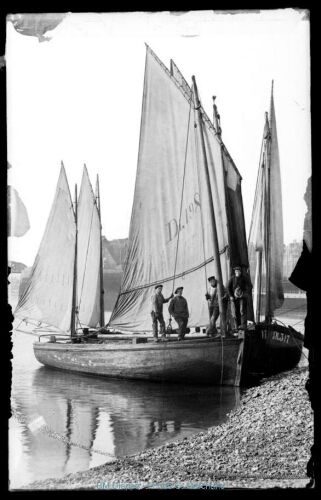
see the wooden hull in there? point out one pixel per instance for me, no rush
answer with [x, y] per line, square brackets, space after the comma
[264, 351]
[201, 361]
[270, 349]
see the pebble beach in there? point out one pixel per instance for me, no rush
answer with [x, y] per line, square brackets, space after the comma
[265, 443]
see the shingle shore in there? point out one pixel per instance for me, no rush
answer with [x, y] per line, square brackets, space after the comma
[265, 443]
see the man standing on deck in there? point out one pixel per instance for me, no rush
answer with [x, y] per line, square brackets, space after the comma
[178, 308]
[157, 300]
[213, 307]
[238, 288]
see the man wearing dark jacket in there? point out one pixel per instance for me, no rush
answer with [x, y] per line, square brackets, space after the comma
[157, 301]
[178, 308]
[238, 288]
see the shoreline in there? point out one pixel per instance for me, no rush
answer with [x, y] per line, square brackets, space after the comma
[265, 443]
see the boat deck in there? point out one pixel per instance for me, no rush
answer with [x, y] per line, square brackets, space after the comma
[120, 338]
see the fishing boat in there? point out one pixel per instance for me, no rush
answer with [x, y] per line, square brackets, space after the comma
[63, 290]
[187, 224]
[272, 346]
[63, 301]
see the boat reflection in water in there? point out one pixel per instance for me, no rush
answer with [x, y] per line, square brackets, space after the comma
[95, 420]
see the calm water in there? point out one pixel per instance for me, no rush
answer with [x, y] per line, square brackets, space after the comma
[107, 418]
[93, 420]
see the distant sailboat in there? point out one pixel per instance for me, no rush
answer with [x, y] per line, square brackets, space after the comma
[276, 347]
[64, 286]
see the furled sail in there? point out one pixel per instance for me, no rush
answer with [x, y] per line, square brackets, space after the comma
[170, 233]
[266, 231]
[48, 295]
[88, 255]
[235, 214]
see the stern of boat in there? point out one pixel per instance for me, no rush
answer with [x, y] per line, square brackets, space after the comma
[270, 349]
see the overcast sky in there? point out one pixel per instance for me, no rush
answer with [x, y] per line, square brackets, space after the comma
[77, 98]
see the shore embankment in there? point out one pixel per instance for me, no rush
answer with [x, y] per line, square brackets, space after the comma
[265, 443]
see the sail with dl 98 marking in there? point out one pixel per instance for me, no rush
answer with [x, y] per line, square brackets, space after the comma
[170, 233]
[233, 217]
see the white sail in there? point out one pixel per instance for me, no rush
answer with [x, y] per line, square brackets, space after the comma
[170, 238]
[257, 229]
[266, 232]
[88, 255]
[275, 251]
[229, 210]
[48, 295]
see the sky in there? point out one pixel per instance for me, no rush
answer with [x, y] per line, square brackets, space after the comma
[77, 98]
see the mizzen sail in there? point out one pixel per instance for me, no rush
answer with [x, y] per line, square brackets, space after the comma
[48, 294]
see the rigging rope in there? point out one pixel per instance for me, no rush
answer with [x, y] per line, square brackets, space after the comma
[289, 329]
[256, 189]
[138, 459]
[200, 190]
[222, 362]
[83, 280]
[288, 311]
[182, 192]
[203, 238]
[180, 212]
[48, 431]
[294, 309]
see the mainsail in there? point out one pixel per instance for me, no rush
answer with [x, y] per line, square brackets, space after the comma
[170, 232]
[266, 232]
[88, 255]
[234, 206]
[48, 295]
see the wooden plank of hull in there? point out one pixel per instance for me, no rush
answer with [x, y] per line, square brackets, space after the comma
[271, 350]
[208, 361]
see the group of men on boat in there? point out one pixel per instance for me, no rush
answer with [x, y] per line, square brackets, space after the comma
[235, 293]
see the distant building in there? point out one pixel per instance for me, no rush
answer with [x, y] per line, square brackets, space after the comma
[16, 267]
[108, 260]
[114, 253]
[24, 277]
[291, 255]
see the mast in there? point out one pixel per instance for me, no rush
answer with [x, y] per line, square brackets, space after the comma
[216, 119]
[217, 262]
[101, 295]
[74, 287]
[268, 217]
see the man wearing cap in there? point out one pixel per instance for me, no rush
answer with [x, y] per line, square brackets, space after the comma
[238, 289]
[213, 307]
[157, 300]
[178, 308]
